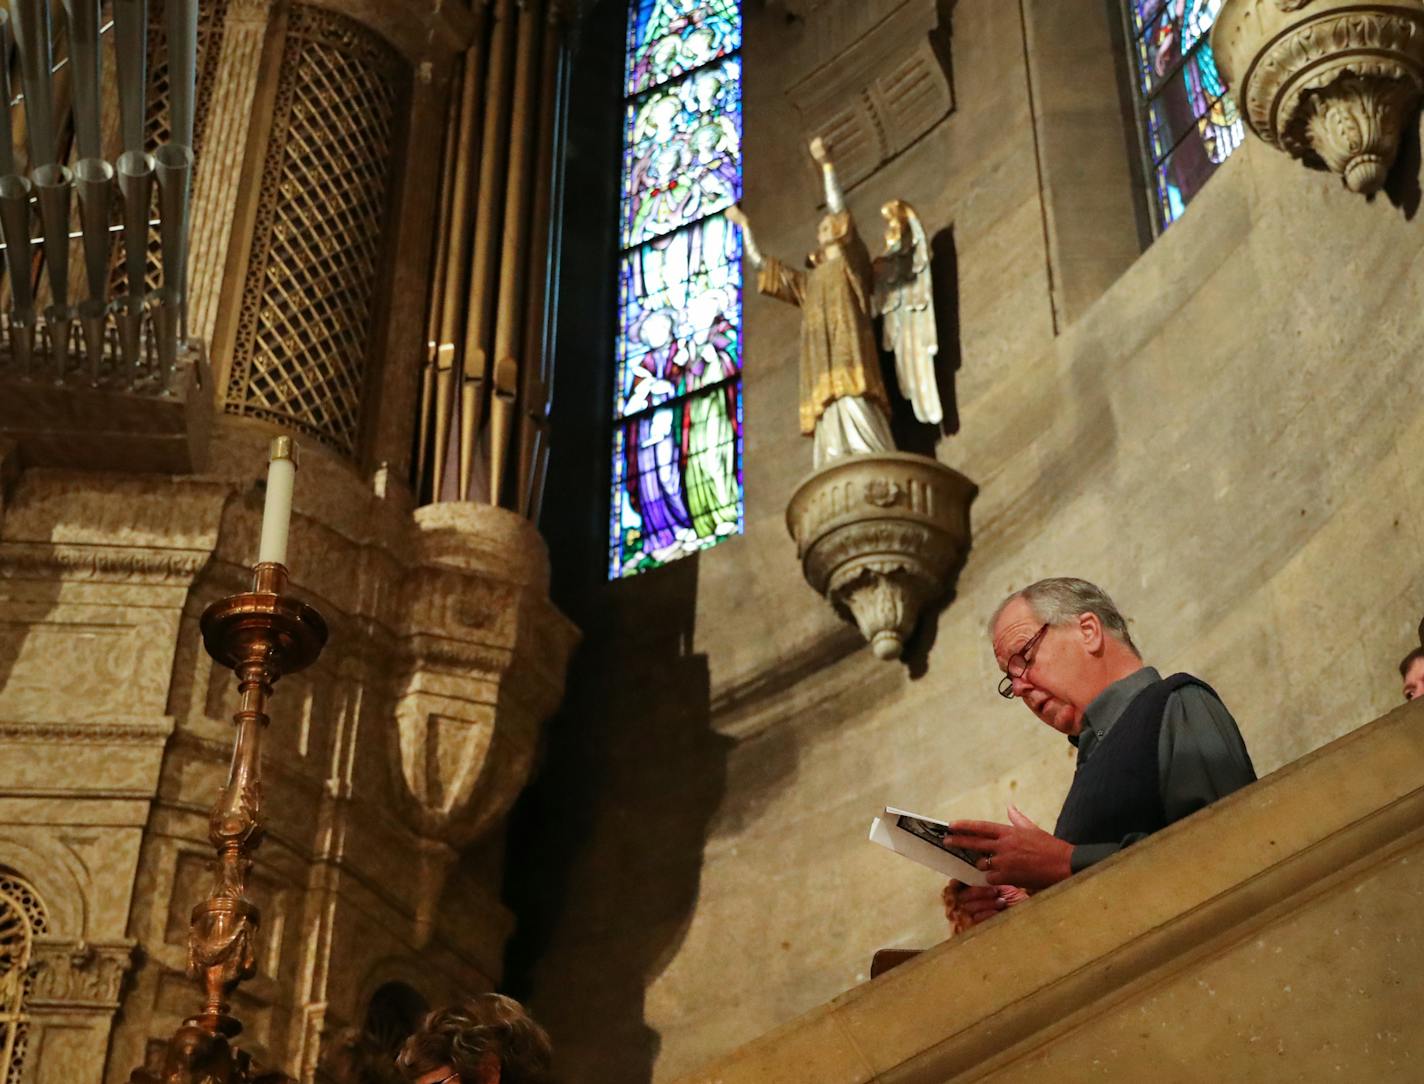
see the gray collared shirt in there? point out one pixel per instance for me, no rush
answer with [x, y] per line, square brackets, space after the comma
[1200, 753]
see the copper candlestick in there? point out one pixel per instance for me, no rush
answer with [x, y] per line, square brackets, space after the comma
[260, 635]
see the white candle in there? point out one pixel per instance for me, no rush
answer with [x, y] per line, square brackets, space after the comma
[277, 513]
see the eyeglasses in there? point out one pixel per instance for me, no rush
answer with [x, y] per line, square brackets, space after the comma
[455, 1077]
[1018, 664]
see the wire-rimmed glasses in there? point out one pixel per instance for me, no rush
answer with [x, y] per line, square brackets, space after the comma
[1018, 663]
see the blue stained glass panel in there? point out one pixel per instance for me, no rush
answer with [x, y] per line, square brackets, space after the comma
[1195, 101]
[677, 480]
[682, 157]
[1192, 124]
[681, 315]
[1178, 29]
[1144, 13]
[667, 38]
[677, 456]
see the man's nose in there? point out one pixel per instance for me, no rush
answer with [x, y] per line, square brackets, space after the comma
[1021, 685]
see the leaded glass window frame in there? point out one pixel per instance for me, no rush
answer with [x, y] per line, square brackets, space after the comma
[677, 403]
[1187, 125]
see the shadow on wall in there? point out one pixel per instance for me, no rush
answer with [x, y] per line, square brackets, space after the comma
[1402, 186]
[606, 848]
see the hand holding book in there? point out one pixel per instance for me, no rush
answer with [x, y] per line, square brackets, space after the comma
[1018, 853]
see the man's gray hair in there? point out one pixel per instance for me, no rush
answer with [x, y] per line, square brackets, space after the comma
[1058, 600]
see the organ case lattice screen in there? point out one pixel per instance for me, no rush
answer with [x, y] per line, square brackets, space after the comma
[305, 326]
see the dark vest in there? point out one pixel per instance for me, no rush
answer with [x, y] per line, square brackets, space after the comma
[1119, 790]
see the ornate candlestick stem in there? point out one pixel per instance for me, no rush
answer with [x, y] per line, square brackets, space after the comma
[260, 635]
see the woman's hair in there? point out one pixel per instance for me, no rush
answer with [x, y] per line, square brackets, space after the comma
[463, 1035]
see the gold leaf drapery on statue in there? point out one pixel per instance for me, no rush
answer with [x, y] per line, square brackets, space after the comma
[838, 353]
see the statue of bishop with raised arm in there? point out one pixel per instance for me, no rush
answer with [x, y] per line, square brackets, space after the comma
[880, 532]
[844, 405]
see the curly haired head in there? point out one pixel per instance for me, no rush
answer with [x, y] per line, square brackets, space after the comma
[488, 1037]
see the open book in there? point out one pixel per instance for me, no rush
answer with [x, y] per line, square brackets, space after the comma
[921, 840]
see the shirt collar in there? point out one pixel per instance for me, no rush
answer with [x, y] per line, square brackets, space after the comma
[1107, 707]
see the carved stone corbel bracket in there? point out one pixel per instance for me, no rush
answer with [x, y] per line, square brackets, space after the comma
[483, 655]
[882, 536]
[1331, 82]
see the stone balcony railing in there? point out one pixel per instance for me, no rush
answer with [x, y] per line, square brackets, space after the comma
[1272, 936]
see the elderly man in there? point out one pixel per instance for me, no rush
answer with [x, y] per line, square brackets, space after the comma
[1151, 750]
[1411, 669]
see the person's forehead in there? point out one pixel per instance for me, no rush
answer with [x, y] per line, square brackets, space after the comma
[1014, 625]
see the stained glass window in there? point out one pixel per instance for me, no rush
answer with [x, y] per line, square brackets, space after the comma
[677, 444]
[1190, 126]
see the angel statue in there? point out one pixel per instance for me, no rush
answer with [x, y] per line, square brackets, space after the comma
[844, 405]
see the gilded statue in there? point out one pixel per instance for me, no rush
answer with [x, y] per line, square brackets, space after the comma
[844, 405]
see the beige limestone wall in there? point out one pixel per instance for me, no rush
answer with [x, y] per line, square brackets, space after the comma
[1228, 440]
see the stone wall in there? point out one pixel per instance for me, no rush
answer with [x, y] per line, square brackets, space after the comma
[383, 763]
[1222, 431]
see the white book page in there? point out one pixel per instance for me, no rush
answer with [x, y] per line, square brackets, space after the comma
[918, 839]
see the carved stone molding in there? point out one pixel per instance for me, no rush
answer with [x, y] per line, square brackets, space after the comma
[126, 564]
[878, 88]
[1330, 82]
[881, 536]
[106, 733]
[70, 975]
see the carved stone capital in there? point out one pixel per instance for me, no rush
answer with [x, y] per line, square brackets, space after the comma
[881, 536]
[70, 975]
[1330, 82]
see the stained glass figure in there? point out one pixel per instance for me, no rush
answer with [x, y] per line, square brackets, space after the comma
[669, 37]
[680, 315]
[677, 480]
[1191, 125]
[677, 455]
[682, 152]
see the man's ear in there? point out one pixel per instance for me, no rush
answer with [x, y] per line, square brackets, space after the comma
[489, 1068]
[1090, 628]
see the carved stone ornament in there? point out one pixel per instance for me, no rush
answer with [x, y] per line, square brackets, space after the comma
[71, 975]
[880, 81]
[1331, 82]
[881, 536]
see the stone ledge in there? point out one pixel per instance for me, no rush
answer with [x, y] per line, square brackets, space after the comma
[984, 1001]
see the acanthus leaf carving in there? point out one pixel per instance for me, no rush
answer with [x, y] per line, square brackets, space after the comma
[1328, 81]
[74, 974]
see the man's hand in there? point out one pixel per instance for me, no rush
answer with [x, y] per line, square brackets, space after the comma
[969, 905]
[819, 151]
[1018, 853]
[735, 214]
